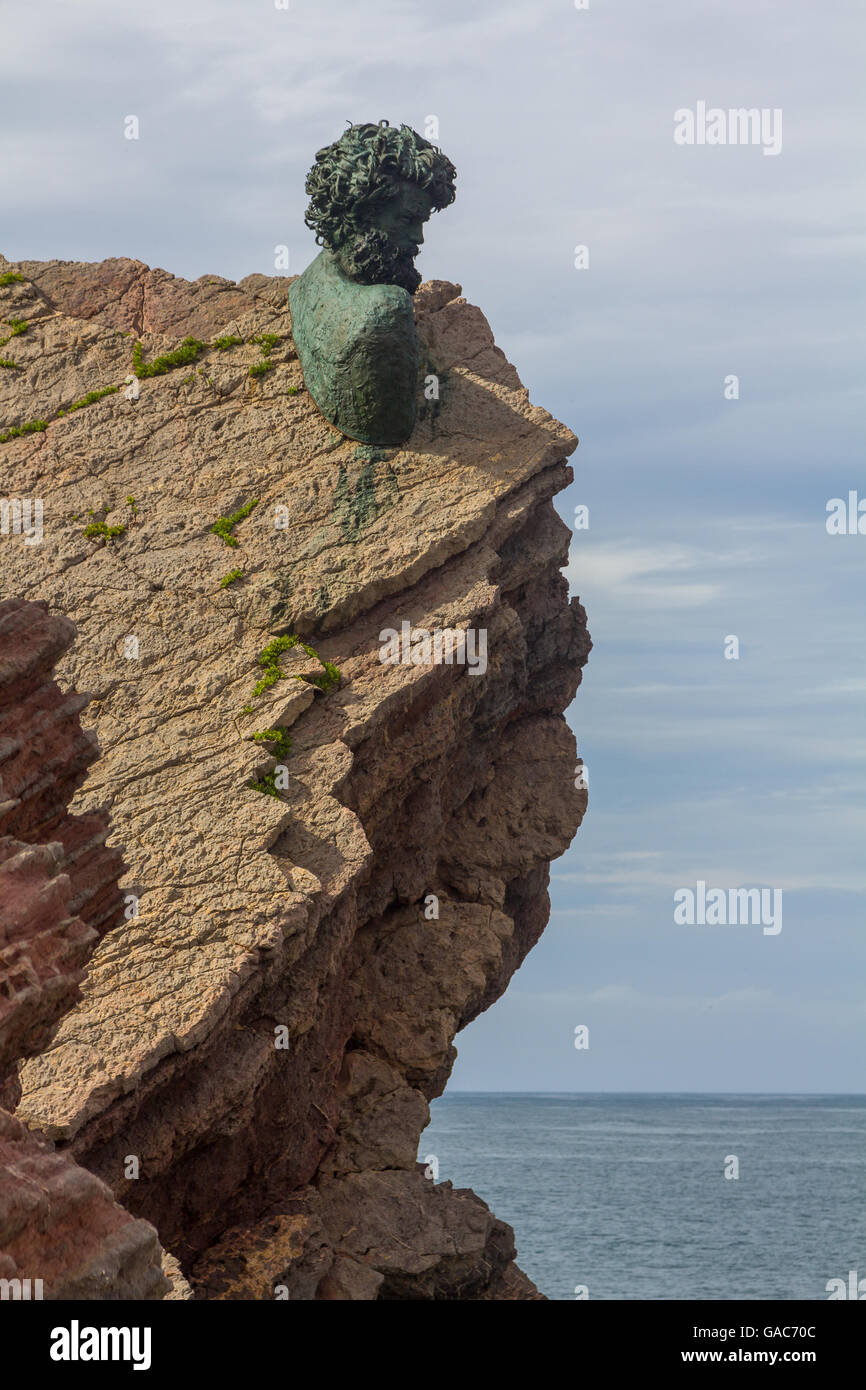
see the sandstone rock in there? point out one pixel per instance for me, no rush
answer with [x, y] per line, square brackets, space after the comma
[180, 1290]
[297, 918]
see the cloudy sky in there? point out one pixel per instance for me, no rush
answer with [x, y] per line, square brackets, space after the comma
[707, 515]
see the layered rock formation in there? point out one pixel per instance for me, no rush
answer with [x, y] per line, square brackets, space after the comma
[62, 1235]
[265, 1035]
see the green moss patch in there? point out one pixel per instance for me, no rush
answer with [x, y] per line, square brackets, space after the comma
[267, 785]
[18, 327]
[226, 524]
[189, 351]
[329, 679]
[18, 431]
[266, 341]
[282, 743]
[99, 528]
[89, 399]
[281, 748]
[269, 660]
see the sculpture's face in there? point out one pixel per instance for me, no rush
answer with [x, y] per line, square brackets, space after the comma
[404, 215]
[384, 254]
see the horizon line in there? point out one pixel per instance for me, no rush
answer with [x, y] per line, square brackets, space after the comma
[477, 1092]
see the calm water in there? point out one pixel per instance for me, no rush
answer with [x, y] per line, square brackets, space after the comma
[627, 1195]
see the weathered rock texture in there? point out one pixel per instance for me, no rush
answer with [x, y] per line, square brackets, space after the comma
[266, 1034]
[59, 1225]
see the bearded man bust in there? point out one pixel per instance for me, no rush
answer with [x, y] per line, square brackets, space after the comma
[370, 194]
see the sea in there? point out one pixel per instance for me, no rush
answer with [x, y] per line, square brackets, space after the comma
[638, 1197]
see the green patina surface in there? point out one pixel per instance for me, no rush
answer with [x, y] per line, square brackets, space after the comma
[352, 318]
[358, 351]
[356, 506]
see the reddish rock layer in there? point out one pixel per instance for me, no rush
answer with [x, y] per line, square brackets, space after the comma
[58, 894]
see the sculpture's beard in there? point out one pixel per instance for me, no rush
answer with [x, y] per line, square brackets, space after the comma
[373, 258]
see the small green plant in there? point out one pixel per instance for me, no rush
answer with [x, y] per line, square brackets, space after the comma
[269, 660]
[89, 399]
[99, 528]
[227, 341]
[9, 277]
[13, 366]
[329, 680]
[18, 431]
[266, 341]
[247, 709]
[226, 524]
[230, 578]
[189, 351]
[267, 785]
[293, 390]
[18, 327]
[278, 737]
[281, 748]
[132, 505]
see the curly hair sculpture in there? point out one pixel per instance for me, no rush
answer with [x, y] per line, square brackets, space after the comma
[359, 172]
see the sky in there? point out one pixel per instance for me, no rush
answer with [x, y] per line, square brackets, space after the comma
[707, 513]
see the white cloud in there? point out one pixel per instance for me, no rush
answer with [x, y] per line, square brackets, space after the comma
[641, 575]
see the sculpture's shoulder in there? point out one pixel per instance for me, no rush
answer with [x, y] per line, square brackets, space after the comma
[336, 304]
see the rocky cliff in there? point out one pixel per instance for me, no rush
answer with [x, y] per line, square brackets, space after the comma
[335, 861]
[62, 1235]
